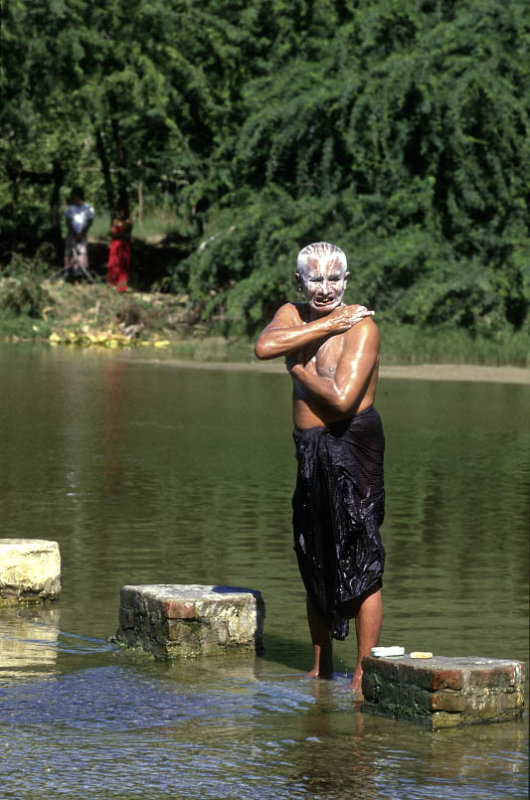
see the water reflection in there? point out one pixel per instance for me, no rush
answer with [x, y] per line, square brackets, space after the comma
[115, 395]
[150, 474]
[28, 642]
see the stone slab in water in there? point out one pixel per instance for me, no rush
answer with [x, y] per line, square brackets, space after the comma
[444, 692]
[188, 620]
[30, 571]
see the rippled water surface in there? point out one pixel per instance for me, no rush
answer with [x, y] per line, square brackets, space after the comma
[153, 473]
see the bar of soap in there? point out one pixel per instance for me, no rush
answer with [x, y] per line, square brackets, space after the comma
[421, 654]
[388, 652]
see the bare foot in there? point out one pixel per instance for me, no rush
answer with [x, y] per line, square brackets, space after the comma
[317, 672]
[357, 694]
[322, 646]
[356, 686]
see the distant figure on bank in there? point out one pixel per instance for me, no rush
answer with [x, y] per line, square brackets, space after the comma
[79, 218]
[120, 251]
[332, 354]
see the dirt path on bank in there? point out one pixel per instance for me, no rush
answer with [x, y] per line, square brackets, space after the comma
[426, 372]
[458, 372]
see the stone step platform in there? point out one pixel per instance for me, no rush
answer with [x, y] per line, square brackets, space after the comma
[444, 692]
[30, 571]
[172, 621]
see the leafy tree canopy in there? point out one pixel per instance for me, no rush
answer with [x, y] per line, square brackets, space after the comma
[398, 129]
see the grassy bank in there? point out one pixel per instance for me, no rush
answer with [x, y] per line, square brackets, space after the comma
[96, 315]
[407, 344]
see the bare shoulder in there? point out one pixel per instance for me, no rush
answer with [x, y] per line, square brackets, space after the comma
[288, 315]
[363, 334]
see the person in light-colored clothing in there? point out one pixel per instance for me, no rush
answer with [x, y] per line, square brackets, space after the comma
[79, 218]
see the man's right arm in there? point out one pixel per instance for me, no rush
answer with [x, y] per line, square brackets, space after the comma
[287, 333]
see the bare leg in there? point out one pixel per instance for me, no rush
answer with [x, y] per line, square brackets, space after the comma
[322, 646]
[368, 627]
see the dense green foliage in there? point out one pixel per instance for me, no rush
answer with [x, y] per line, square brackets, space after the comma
[398, 129]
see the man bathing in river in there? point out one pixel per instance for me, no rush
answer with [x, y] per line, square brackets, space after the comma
[332, 354]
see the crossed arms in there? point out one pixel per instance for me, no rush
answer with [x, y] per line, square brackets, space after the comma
[343, 389]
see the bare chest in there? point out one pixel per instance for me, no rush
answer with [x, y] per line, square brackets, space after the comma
[326, 356]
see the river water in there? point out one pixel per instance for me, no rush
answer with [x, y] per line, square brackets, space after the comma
[150, 472]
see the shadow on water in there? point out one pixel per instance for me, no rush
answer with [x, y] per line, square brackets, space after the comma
[293, 655]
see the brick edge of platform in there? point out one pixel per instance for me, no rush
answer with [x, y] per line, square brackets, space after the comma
[174, 621]
[447, 692]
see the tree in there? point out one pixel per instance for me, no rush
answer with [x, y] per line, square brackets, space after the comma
[404, 130]
[397, 128]
[127, 77]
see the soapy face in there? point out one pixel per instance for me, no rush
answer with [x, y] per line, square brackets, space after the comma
[323, 284]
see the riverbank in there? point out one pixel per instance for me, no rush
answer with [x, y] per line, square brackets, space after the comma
[92, 314]
[458, 372]
[95, 315]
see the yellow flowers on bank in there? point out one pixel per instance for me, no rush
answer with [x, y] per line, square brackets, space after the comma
[112, 339]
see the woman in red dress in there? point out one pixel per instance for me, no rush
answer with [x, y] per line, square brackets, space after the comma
[120, 252]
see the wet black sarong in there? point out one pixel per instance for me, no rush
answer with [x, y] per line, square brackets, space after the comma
[338, 506]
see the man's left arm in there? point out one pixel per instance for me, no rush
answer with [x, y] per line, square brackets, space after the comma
[69, 221]
[344, 390]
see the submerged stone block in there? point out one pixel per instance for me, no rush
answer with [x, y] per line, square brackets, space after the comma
[184, 621]
[444, 692]
[30, 571]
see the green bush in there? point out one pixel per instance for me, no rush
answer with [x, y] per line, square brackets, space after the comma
[23, 296]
